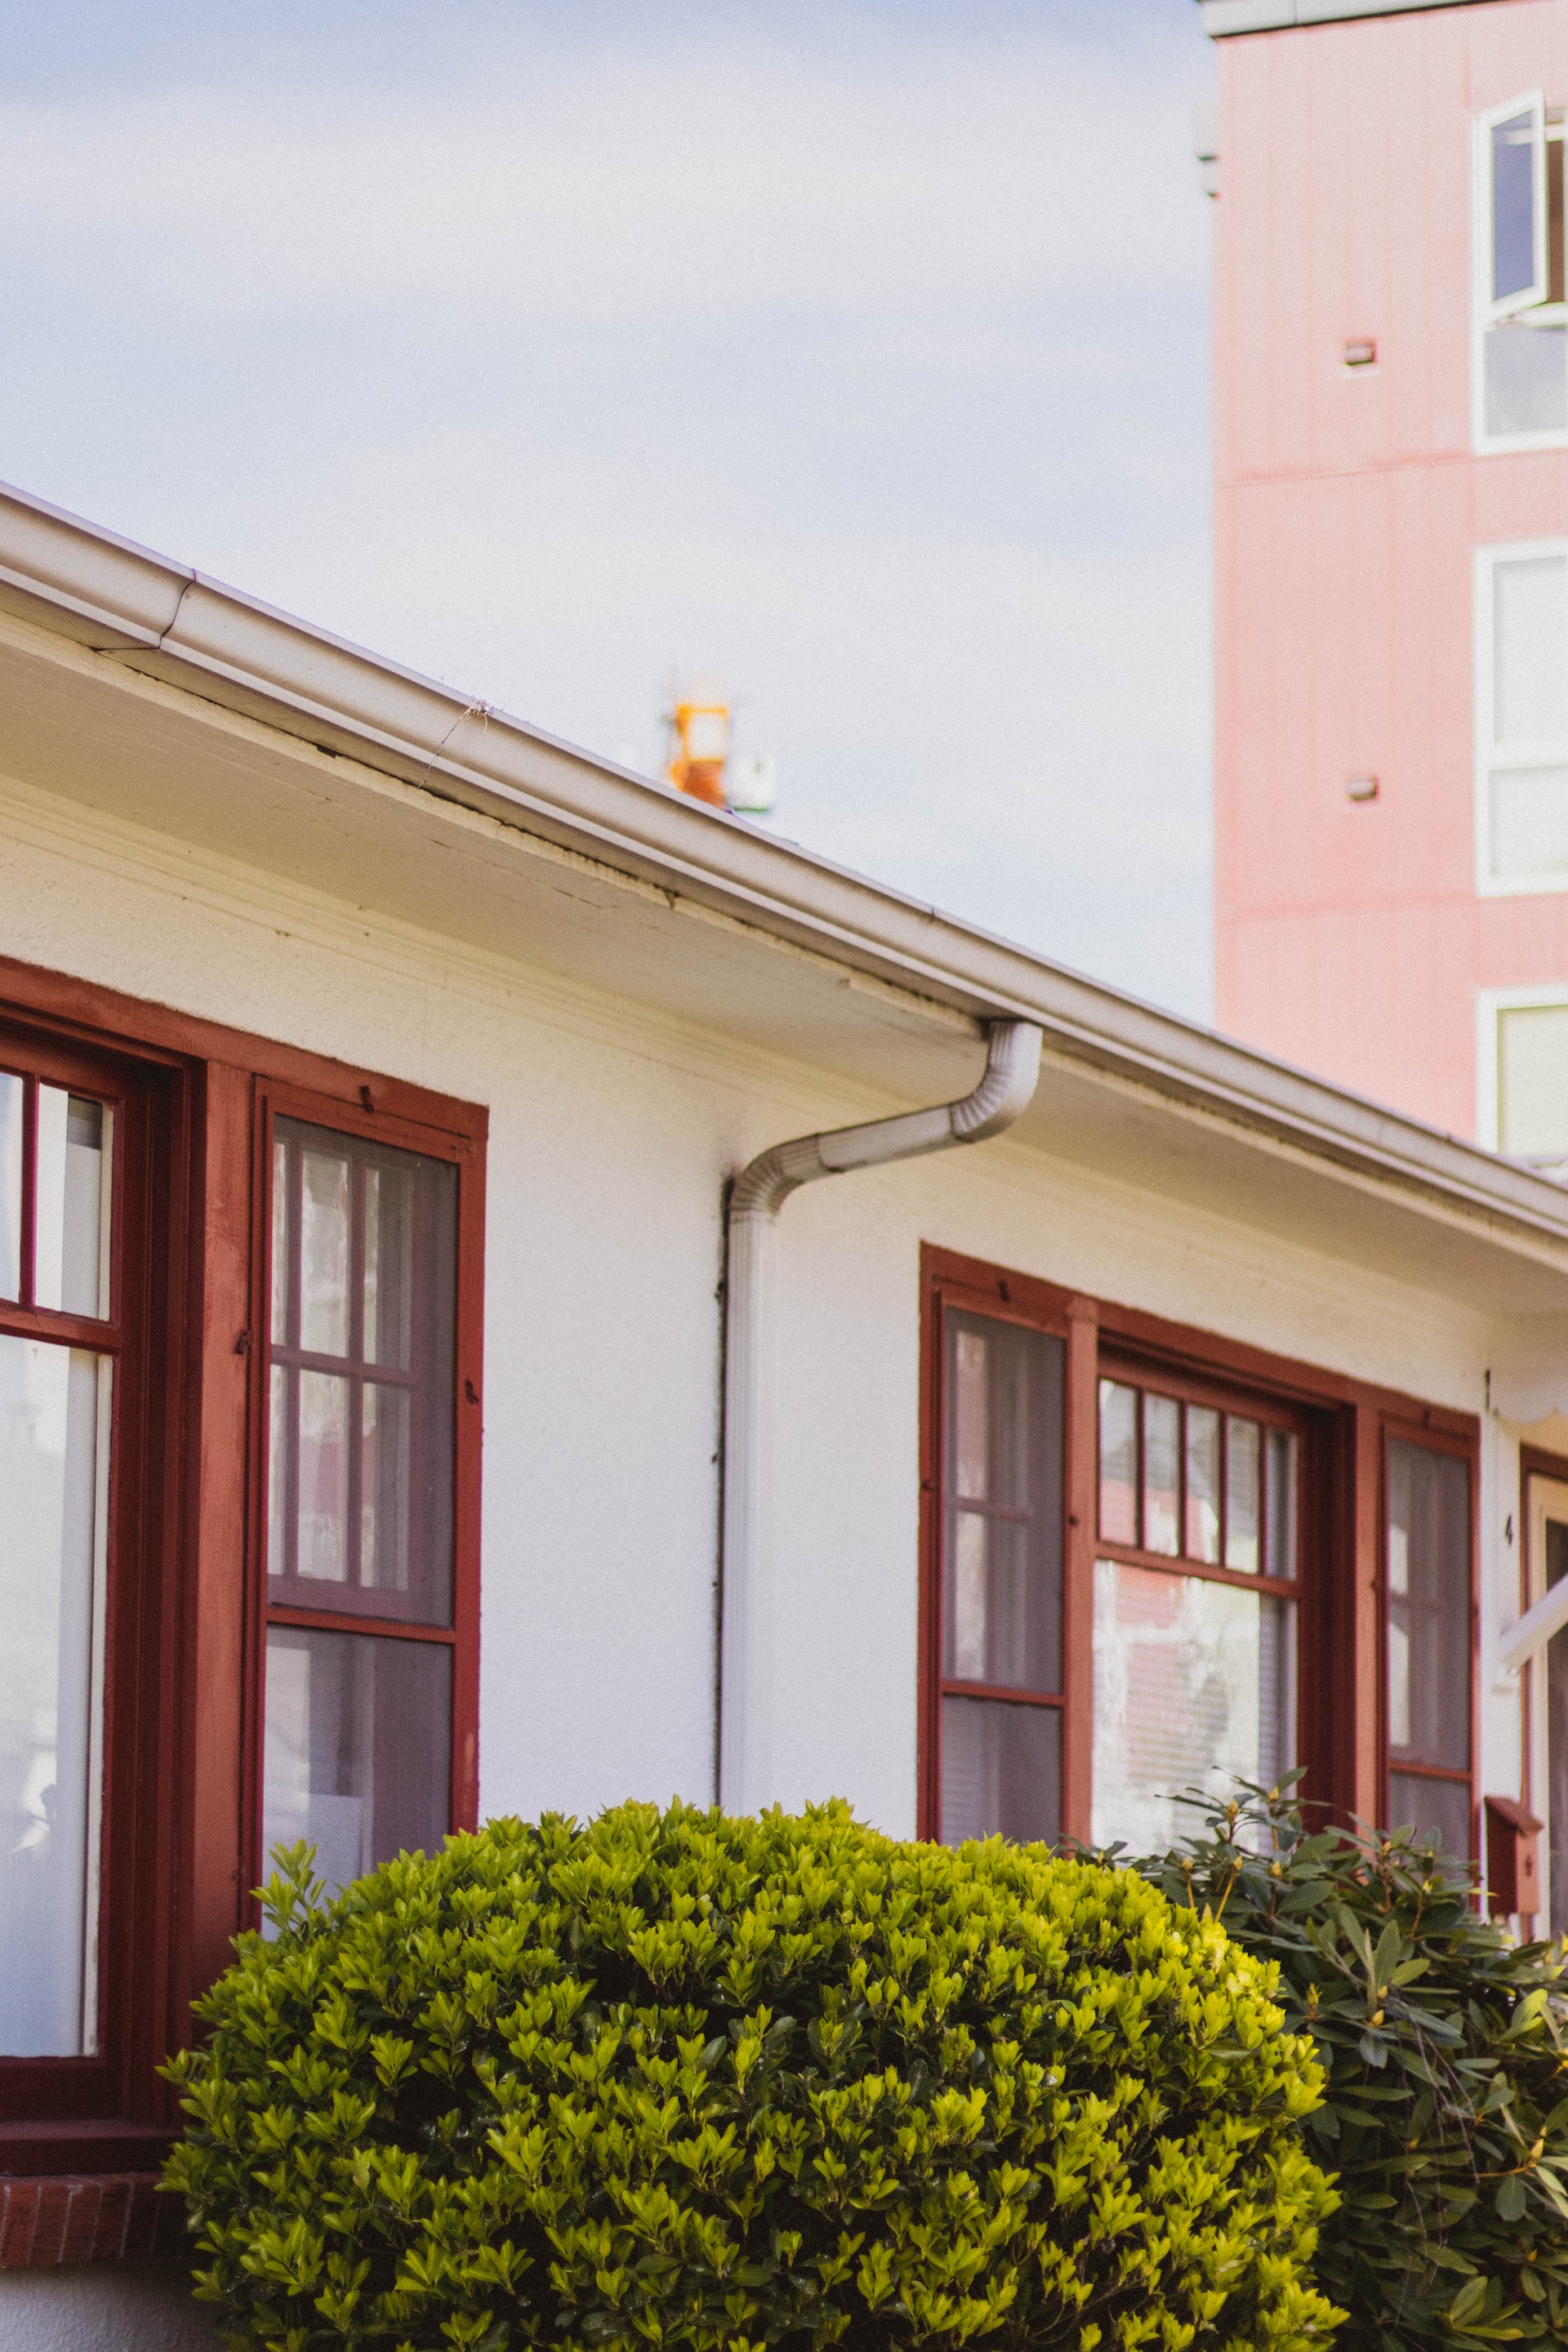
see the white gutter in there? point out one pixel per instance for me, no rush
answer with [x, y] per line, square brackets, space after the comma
[1534, 1629]
[747, 1579]
[141, 611]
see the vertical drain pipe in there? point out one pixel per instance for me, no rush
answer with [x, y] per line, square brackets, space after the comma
[747, 1620]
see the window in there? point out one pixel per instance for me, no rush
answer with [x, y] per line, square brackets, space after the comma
[1521, 321]
[999, 1724]
[360, 1409]
[1521, 716]
[1195, 1601]
[1522, 1079]
[1427, 1584]
[240, 1355]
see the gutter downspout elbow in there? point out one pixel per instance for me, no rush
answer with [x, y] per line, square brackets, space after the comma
[746, 1595]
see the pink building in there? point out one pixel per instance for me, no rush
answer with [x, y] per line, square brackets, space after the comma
[1391, 552]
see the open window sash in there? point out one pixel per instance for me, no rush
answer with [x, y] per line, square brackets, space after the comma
[1515, 262]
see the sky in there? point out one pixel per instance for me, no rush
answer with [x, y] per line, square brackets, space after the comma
[853, 353]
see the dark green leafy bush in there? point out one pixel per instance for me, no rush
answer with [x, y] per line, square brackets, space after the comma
[1447, 2050]
[679, 2080]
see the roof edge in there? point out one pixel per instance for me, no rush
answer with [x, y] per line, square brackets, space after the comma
[170, 622]
[1223, 18]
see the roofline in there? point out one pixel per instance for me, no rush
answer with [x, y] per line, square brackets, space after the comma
[1224, 17]
[130, 605]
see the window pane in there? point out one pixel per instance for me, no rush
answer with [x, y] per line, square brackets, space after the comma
[358, 1747]
[12, 1093]
[323, 1453]
[283, 1241]
[1526, 369]
[1280, 1551]
[1515, 262]
[971, 1452]
[1118, 1463]
[359, 1470]
[1428, 1555]
[1194, 1683]
[1243, 1480]
[1203, 1484]
[52, 1477]
[1161, 1473]
[1533, 1082]
[1530, 623]
[1426, 1805]
[389, 1213]
[1002, 1541]
[324, 1251]
[1527, 823]
[70, 1257]
[1000, 1771]
[383, 1488]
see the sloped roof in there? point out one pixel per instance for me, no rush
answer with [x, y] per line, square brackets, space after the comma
[1226, 16]
[147, 696]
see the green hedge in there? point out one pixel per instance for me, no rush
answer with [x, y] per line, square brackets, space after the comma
[678, 2079]
[1447, 2050]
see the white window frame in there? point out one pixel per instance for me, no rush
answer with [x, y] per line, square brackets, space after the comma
[1533, 103]
[1551, 753]
[1535, 996]
[1484, 313]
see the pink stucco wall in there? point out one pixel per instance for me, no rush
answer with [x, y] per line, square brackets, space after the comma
[1350, 939]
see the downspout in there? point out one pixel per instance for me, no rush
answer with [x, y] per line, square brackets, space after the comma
[746, 1624]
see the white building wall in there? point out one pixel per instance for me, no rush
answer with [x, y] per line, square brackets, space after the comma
[612, 1132]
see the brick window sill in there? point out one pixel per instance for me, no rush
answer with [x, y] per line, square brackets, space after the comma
[100, 2216]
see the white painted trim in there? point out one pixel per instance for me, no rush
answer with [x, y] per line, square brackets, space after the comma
[1486, 758]
[1224, 17]
[1533, 103]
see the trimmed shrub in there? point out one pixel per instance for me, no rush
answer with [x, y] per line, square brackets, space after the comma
[679, 2080]
[1447, 2053]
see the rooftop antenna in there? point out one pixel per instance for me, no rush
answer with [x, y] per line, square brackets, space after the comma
[699, 760]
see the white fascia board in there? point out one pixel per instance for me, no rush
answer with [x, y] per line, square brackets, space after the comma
[1222, 18]
[169, 623]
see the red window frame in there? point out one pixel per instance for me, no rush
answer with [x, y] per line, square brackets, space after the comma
[1341, 1587]
[273, 1102]
[76, 2097]
[186, 1592]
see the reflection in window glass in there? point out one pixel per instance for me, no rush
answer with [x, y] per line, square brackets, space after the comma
[54, 1405]
[12, 1098]
[1243, 1497]
[1161, 1474]
[324, 1252]
[1118, 1463]
[70, 1248]
[1000, 1771]
[1203, 1484]
[358, 1746]
[1193, 1685]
